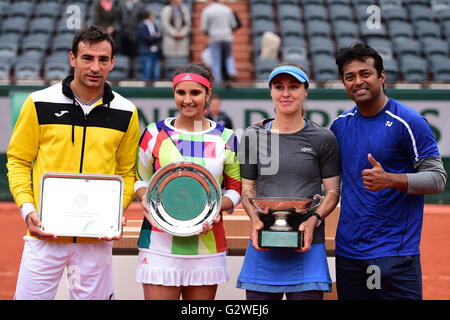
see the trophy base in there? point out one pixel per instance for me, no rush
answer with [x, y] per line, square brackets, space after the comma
[280, 239]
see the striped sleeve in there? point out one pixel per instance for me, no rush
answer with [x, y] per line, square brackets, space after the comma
[144, 161]
[231, 172]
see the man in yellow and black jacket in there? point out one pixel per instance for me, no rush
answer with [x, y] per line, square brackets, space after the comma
[78, 126]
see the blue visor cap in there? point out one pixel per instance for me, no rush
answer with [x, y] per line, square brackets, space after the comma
[291, 70]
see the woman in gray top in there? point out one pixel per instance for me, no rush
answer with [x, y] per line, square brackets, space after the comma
[291, 157]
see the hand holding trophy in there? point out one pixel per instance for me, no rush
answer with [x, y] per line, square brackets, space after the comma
[280, 233]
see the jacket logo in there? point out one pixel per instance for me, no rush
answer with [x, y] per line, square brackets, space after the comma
[389, 123]
[61, 113]
[306, 149]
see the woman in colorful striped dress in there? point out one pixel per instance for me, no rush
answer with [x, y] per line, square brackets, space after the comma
[171, 267]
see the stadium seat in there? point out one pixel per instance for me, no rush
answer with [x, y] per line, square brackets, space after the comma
[293, 41]
[445, 27]
[390, 3]
[339, 2]
[56, 70]
[42, 25]
[27, 70]
[321, 45]
[263, 67]
[8, 52]
[48, 9]
[434, 46]
[362, 2]
[390, 14]
[404, 46]
[367, 31]
[314, 2]
[391, 70]
[65, 26]
[315, 12]
[440, 68]
[261, 26]
[253, 2]
[5, 70]
[417, 2]
[294, 52]
[324, 68]
[345, 41]
[414, 69]
[345, 29]
[170, 64]
[260, 11]
[32, 56]
[427, 29]
[340, 12]
[420, 13]
[20, 9]
[15, 25]
[400, 29]
[317, 28]
[291, 27]
[288, 12]
[383, 46]
[121, 70]
[438, 5]
[62, 42]
[443, 14]
[361, 13]
[37, 42]
[296, 2]
[59, 56]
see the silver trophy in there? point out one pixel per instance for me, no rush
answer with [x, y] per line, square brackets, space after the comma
[182, 196]
[280, 233]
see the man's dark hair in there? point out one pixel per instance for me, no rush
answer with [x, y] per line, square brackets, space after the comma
[92, 34]
[358, 51]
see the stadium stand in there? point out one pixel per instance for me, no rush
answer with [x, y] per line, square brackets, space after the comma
[413, 36]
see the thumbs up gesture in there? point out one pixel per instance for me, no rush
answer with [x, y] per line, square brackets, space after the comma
[375, 178]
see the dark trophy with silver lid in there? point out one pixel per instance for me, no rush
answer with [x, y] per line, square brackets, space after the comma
[281, 233]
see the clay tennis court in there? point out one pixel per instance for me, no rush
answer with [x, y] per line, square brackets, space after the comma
[435, 249]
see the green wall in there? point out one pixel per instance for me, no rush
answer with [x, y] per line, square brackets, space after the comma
[245, 94]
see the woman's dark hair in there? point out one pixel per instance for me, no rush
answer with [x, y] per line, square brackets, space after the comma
[200, 69]
[92, 34]
[358, 51]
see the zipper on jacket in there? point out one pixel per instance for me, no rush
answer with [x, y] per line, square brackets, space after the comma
[83, 143]
[82, 155]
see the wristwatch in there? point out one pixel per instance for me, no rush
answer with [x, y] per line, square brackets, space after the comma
[319, 218]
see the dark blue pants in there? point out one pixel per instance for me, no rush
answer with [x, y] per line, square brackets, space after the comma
[384, 278]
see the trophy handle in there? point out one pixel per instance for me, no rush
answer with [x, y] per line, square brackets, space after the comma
[316, 201]
[251, 203]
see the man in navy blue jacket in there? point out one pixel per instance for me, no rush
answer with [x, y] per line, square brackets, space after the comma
[149, 47]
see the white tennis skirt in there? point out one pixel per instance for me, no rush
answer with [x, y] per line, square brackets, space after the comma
[179, 270]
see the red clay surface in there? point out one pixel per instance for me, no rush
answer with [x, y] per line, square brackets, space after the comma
[435, 250]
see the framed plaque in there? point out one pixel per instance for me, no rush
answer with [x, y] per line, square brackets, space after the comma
[81, 205]
[182, 196]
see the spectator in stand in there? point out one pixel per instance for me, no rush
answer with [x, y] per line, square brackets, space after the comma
[215, 114]
[106, 15]
[176, 25]
[130, 14]
[218, 22]
[149, 47]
